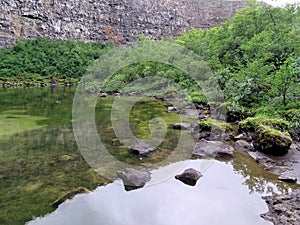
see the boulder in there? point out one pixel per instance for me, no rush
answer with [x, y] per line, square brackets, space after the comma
[103, 95]
[142, 148]
[134, 179]
[260, 158]
[181, 126]
[189, 176]
[283, 209]
[206, 148]
[243, 145]
[69, 195]
[272, 142]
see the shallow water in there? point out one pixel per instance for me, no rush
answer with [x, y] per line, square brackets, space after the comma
[219, 197]
[40, 161]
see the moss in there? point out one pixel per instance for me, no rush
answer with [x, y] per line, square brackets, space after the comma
[251, 123]
[208, 124]
[198, 98]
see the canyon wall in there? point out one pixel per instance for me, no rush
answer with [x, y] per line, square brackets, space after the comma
[102, 20]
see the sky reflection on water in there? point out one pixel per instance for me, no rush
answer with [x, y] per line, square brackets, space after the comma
[220, 197]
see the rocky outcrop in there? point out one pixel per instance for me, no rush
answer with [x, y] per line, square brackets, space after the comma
[189, 176]
[134, 179]
[118, 20]
[284, 209]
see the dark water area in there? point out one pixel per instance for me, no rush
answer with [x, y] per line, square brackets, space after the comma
[40, 161]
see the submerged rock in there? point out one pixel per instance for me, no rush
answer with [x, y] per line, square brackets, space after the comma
[134, 179]
[189, 176]
[283, 209]
[272, 142]
[69, 195]
[206, 148]
[243, 145]
[142, 148]
[181, 126]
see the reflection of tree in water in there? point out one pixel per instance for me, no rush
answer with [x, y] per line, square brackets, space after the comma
[257, 178]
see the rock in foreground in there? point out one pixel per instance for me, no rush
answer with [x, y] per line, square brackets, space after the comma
[206, 148]
[284, 209]
[134, 179]
[189, 176]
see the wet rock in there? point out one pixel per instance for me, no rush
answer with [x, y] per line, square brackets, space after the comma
[142, 148]
[69, 195]
[181, 126]
[243, 145]
[189, 176]
[283, 209]
[288, 178]
[206, 148]
[134, 179]
[261, 158]
[271, 141]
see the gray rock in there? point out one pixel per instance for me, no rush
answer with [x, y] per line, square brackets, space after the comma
[206, 148]
[261, 158]
[277, 169]
[189, 176]
[181, 126]
[142, 148]
[243, 145]
[134, 179]
[283, 209]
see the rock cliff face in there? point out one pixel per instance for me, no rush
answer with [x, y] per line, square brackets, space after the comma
[102, 20]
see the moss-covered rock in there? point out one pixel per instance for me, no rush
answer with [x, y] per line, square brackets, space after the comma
[209, 124]
[250, 124]
[271, 141]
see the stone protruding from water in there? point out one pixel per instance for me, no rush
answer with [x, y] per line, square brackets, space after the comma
[189, 176]
[134, 179]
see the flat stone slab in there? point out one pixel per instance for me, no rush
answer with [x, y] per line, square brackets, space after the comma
[206, 148]
[290, 178]
[189, 176]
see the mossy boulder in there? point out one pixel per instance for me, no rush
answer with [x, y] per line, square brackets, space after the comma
[250, 124]
[271, 141]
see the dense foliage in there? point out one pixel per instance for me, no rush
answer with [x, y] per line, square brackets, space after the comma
[256, 59]
[42, 58]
